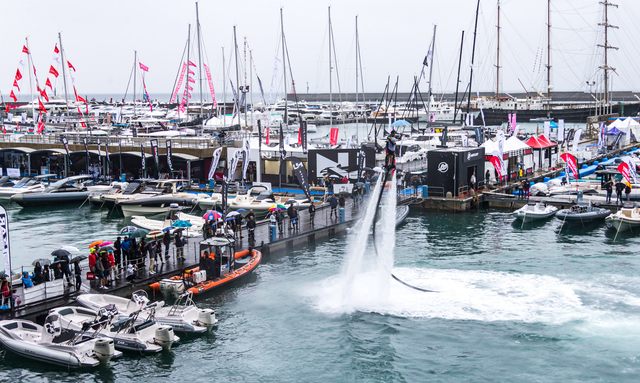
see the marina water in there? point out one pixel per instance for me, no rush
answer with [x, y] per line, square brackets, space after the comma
[521, 305]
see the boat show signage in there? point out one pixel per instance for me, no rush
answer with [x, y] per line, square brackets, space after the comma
[214, 162]
[143, 163]
[154, 152]
[6, 248]
[336, 162]
[86, 152]
[169, 154]
[301, 174]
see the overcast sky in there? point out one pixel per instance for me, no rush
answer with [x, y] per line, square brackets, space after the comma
[100, 36]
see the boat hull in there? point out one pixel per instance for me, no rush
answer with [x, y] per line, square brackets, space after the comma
[44, 199]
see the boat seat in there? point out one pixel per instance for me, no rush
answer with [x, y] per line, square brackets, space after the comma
[65, 336]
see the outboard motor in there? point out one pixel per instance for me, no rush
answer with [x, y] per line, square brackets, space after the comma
[164, 337]
[207, 318]
[104, 349]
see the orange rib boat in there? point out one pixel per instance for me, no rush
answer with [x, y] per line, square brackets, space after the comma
[254, 260]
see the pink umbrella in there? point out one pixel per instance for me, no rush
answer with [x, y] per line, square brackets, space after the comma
[211, 215]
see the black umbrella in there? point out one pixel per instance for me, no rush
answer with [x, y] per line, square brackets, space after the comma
[78, 258]
[58, 261]
[61, 254]
[43, 261]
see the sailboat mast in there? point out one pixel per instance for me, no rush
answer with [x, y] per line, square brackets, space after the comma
[200, 67]
[455, 106]
[64, 71]
[330, 75]
[357, 111]
[135, 60]
[244, 87]
[284, 73]
[548, 54]
[606, 4]
[224, 90]
[188, 84]
[235, 44]
[498, 54]
[473, 56]
[29, 65]
[433, 51]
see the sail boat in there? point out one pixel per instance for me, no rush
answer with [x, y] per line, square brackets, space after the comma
[497, 108]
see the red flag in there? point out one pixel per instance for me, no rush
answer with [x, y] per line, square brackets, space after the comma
[48, 83]
[53, 71]
[15, 83]
[624, 169]
[333, 136]
[13, 96]
[266, 136]
[56, 50]
[143, 67]
[71, 66]
[191, 63]
[572, 164]
[40, 125]
[41, 107]
[18, 75]
[43, 93]
[300, 135]
[25, 49]
[497, 164]
[79, 98]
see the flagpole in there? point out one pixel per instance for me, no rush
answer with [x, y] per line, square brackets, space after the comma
[200, 68]
[135, 60]
[64, 72]
[224, 91]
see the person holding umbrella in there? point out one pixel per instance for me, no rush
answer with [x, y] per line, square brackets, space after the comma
[77, 274]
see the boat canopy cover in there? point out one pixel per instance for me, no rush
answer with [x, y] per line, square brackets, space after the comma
[540, 142]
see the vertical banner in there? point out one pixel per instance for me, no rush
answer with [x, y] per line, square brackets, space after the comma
[169, 154]
[245, 158]
[233, 165]
[304, 130]
[214, 162]
[560, 131]
[267, 136]
[107, 162]
[301, 174]
[143, 164]
[210, 82]
[572, 164]
[224, 192]
[283, 152]
[100, 155]
[259, 139]
[576, 140]
[547, 129]
[65, 143]
[86, 153]
[6, 245]
[624, 169]
[361, 160]
[333, 136]
[154, 153]
[479, 136]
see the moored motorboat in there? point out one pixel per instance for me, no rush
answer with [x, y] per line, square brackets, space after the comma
[583, 213]
[158, 225]
[625, 219]
[535, 212]
[67, 190]
[54, 345]
[137, 332]
[157, 204]
[219, 266]
[183, 316]
[26, 185]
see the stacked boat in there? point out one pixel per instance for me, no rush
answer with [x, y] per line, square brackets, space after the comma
[54, 344]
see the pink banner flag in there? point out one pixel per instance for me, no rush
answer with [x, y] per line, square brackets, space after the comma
[143, 67]
[513, 122]
[146, 93]
[572, 164]
[333, 136]
[211, 90]
[179, 84]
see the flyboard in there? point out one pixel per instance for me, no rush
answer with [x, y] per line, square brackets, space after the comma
[388, 170]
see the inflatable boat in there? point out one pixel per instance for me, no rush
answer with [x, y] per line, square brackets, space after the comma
[535, 212]
[199, 281]
[583, 214]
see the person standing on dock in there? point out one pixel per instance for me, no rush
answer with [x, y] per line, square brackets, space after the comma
[251, 228]
[619, 190]
[77, 272]
[166, 241]
[179, 242]
[117, 246]
[312, 212]
[627, 191]
[608, 186]
[487, 178]
[333, 203]
[390, 151]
